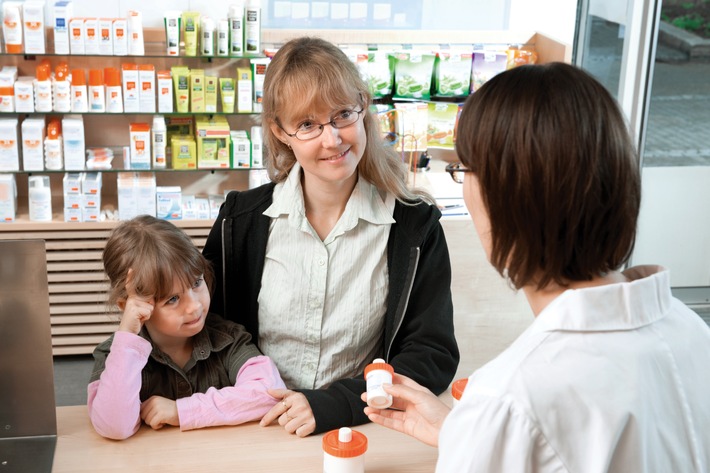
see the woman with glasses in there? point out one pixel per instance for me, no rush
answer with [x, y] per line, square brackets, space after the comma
[337, 261]
[613, 375]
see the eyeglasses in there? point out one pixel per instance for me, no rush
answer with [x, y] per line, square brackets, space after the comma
[309, 130]
[457, 170]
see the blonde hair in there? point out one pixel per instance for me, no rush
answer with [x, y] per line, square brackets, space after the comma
[306, 71]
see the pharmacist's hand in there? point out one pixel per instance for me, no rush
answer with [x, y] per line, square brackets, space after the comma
[136, 310]
[415, 410]
[158, 411]
[292, 411]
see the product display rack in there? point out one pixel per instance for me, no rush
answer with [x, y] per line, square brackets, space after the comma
[77, 284]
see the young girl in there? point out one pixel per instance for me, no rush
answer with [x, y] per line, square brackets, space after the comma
[171, 362]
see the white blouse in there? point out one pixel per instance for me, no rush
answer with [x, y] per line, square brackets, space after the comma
[322, 303]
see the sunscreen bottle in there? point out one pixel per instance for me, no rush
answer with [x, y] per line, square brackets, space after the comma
[43, 89]
[79, 94]
[12, 27]
[159, 132]
[40, 199]
[62, 88]
[53, 148]
[114, 90]
[97, 91]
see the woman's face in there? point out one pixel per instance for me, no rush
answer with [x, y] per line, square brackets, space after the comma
[333, 156]
[474, 203]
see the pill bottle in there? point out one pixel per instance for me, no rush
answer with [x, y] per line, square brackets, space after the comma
[344, 451]
[457, 389]
[378, 373]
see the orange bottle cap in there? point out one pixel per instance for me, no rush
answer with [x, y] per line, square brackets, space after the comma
[54, 129]
[96, 77]
[42, 72]
[61, 71]
[112, 77]
[458, 387]
[78, 77]
[378, 365]
[344, 443]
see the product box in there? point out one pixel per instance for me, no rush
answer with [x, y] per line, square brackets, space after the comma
[244, 90]
[71, 183]
[183, 152]
[90, 214]
[146, 77]
[73, 201]
[197, 90]
[33, 133]
[73, 141]
[165, 92]
[33, 19]
[189, 210]
[120, 37]
[215, 202]
[91, 36]
[24, 94]
[76, 35]
[89, 201]
[486, 64]
[441, 123]
[241, 149]
[211, 94]
[72, 215]
[177, 125]
[9, 146]
[213, 138]
[258, 67]
[8, 198]
[131, 90]
[106, 36]
[140, 145]
[63, 13]
[202, 206]
[168, 202]
[91, 183]
[145, 193]
[8, 76]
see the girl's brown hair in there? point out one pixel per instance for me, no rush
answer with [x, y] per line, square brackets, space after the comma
[558, 173]
[157, 252]
[307, 71]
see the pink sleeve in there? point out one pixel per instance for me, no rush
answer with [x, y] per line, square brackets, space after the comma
[114, 399]
[247, 400]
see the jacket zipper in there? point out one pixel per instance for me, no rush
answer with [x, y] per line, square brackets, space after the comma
[400, 316]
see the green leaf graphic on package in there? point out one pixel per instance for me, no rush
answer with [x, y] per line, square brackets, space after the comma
[413, 75]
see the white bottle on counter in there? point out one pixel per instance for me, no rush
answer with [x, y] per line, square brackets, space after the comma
[344, 451]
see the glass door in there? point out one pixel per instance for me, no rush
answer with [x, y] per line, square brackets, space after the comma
[664, 92]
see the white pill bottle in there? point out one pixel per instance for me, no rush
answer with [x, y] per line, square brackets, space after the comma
[378, 373]
[344, 451]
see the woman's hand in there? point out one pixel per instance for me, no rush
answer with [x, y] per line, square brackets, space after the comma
[136, 310]
[415, 411]
[292, 411]
[158, 411]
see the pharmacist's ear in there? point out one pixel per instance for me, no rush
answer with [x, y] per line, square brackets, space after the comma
[121, 304]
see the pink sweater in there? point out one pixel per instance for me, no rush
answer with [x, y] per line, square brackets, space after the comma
[114, 403]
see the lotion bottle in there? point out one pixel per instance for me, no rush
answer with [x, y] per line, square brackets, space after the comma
[79, 94]
[159, 138]
[236, 29]
[53, 147]
[40, 199]
[43, 89]
[62, 88]
[252, 27]
[97, 91]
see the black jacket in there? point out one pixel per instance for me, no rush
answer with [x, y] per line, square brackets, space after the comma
[419, 337]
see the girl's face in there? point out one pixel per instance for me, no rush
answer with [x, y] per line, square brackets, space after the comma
[333, 156]
[182, 314]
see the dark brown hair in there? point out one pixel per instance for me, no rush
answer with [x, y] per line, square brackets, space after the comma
[158, 252]
[558, 172]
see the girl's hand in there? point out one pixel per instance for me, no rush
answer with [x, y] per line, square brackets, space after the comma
[415, 411]
[136, 310]
[158, 411]
[293, 412]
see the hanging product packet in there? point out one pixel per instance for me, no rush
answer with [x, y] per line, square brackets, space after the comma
[486, 64]
[452, 73]
[413, 71]
[378, 72]
[442, 118]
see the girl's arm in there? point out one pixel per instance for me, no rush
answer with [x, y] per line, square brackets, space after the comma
[114, 399]
[246, 401]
